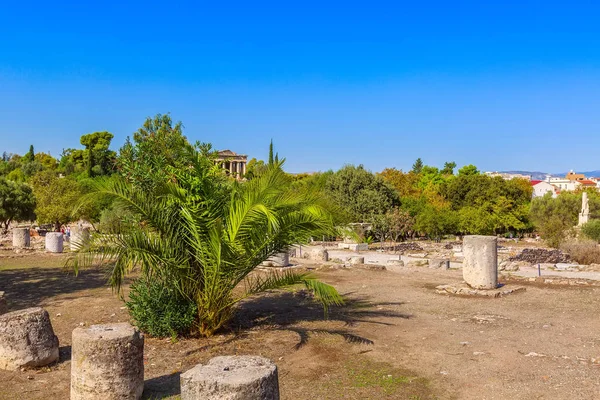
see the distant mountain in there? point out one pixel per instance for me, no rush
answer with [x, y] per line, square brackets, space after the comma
[537, 175]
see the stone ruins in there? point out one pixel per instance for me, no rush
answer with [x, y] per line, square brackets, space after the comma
[27, 339]
[480, 266]
[234, 163]
[21, 238]
[584, 215]
[54, 242]
[107, 363]
[231, 377]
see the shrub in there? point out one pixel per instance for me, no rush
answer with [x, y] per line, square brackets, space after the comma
[592, 230]
[582, 251]
[159, 309]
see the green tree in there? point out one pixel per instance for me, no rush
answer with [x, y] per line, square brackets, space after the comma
[158, 149]
[30, 155]
[468, 170]
[57, 198]
[99, 158]
[17, 203]
[361, 193]
[592, 229]
[417, 166]
[205, 237]
[448, 168]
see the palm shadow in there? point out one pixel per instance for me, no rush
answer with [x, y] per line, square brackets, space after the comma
[30, 287]
[287, 310]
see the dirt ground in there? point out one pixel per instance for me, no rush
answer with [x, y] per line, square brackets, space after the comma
[396, 338]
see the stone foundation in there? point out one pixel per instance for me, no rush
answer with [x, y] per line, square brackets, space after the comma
[466, 290]
[107, 363]
[27, 339]
[231, 378]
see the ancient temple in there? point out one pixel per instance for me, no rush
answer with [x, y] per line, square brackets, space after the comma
[234, 163]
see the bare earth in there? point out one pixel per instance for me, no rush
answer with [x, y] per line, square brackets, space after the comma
[395, 339]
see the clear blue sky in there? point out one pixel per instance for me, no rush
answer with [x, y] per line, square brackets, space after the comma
[502, 85]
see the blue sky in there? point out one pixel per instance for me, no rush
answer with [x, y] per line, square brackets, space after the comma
[502, 85]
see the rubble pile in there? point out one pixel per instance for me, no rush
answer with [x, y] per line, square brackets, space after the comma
[539, 256]
[408, 246]
[451, 245]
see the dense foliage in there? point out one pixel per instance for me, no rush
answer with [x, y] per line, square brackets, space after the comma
[159, 309]
[17, 203]
[201, 233]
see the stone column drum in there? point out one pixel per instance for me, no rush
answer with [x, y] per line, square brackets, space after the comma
[21, 238]
[231, 378]
[54, 242]
[107, 362]
[480, 266]
[27, 339]
[78, 237]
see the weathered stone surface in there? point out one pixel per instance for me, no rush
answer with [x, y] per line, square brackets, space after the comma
[107, 362]
[398, 263]
[78, 237]
[54, 242]
[417, 263]
[231, 378]
[511, 266]
[21, 238]
[277, 260]
[320, 254]
[358, 246]
[357, 260]
[3, 305]
[480, 267]
[343, 245]
[466, 290]
[27, 339]
[437, 263]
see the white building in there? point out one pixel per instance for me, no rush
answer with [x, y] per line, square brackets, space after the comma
[540, 188]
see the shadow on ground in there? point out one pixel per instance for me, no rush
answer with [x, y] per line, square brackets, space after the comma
[162, 386]
[29, 287]
[287, 310]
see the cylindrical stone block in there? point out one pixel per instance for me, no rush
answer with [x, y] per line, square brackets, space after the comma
[278, 260]
[54, 242]
[3, 305]
[27, 339]
[107, 362]
[321, 254]
[480, 265]
[21, 238]
[78, 237]
[231, 378]
[357, 260]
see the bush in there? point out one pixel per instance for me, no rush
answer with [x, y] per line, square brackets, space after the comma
[592, 230]
[160, 310]
[582, 251]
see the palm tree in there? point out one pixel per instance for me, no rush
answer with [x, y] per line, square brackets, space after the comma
[206, 236]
